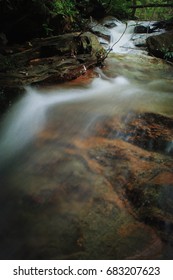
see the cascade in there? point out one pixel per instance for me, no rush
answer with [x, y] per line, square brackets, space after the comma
[121, 36]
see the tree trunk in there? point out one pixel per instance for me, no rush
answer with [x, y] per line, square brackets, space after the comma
[134, 9]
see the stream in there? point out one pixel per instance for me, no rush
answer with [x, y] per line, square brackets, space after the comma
[86, 166]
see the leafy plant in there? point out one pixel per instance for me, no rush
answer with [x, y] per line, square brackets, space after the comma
[117, 8]
[168, 55]
[66, 8]
[48, 31]
[167, 52]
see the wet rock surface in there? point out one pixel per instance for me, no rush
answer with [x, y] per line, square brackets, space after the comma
[161, 45]
[149, 131]
[55, 59]
[45, 61]
[98, 197]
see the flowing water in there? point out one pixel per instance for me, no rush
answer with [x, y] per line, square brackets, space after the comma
[59, 198]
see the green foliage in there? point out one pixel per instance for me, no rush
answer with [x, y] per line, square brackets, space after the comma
[167, 53]
[46, 17]
[153, 13]
[65, 8]
[48, 31]
[117, 8]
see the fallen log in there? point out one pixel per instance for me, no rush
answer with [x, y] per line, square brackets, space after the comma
[151, 6]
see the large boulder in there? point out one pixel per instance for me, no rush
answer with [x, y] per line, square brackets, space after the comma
[46, 60]
[161, 45]
[53, 59]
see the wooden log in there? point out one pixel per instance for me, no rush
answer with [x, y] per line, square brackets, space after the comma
[151, 6]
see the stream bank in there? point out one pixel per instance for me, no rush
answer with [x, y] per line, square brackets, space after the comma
[57, 59]
[48, 61]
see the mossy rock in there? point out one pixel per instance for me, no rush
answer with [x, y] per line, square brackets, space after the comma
[161, 45]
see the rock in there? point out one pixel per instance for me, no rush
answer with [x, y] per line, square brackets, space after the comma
[94, 197]
[140, 42]
[161, 45]
[153, 201]
[53, 59]
[163, 24]
[100, 30]
[142, 29]
[149, 131]
[146, 176]
[75, 211]
[109, 22]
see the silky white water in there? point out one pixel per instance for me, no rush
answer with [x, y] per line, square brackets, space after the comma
[28, 116]
[121, 36]
[124, 40]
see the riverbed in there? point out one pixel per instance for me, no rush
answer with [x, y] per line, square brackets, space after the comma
[86, 166]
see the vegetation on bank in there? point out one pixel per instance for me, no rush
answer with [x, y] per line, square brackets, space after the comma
[21, 20]
[153, 10]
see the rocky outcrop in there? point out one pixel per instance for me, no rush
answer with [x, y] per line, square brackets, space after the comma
[53, 59]
[150, 186]
[46, 60]
[95, 197]
[161, 45]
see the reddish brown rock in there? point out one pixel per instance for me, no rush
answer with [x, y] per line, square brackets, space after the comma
[149, 131]
[97, 197]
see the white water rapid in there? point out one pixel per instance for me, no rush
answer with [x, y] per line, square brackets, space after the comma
[121, 36]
